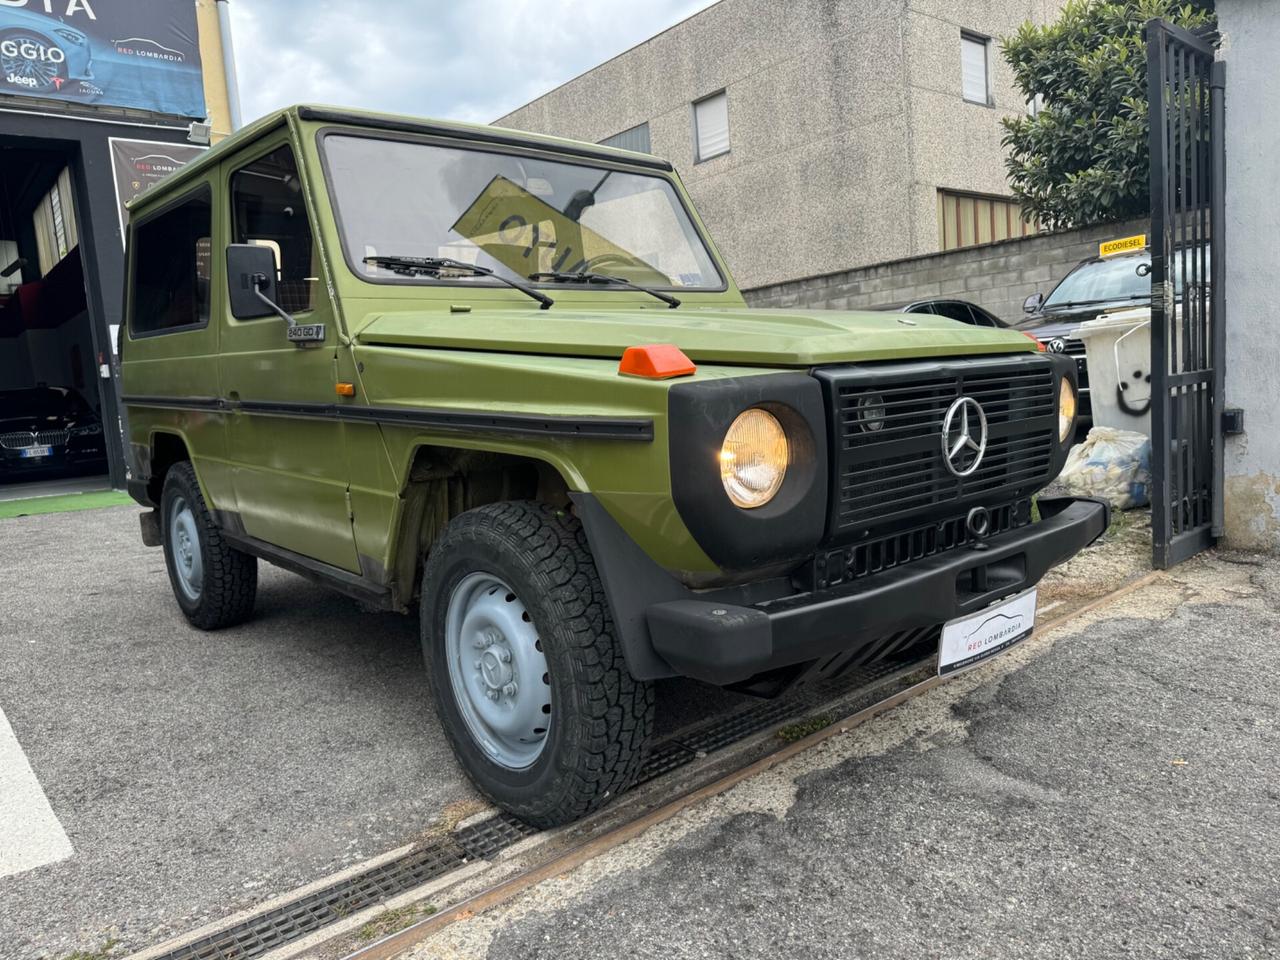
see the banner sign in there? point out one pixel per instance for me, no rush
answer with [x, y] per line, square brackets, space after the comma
[137, 164]
[143, 54]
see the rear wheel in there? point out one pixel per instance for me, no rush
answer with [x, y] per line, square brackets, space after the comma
[214, 584]
[529, 681]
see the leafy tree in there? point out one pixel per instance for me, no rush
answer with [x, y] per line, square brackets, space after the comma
[1082, 159]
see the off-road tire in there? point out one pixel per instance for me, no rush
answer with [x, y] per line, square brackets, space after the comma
[230, 576]
[602, 718]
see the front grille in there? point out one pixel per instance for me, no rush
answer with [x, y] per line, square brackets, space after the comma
[1075, 348]
[45, 438]
[897, 472]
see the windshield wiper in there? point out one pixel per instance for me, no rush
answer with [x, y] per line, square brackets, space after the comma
[587, 276]
[444, 266]
[1090, 303]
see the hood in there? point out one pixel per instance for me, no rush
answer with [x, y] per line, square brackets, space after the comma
[26, 423]
[1048, 327]
[736, 336]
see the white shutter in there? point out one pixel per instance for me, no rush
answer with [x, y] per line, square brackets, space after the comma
[711, 122]
[973, 69]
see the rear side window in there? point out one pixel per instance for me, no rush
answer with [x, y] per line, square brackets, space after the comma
[267, 210]
[171, 263]
[954, 310]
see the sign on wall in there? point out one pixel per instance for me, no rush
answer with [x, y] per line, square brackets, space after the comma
[143, 54]
[138, 164]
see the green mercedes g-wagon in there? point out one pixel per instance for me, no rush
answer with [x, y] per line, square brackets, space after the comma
[507, 382]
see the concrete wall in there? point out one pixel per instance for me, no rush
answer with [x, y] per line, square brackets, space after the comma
[999, 276]
[1252, 236]
[845, 118]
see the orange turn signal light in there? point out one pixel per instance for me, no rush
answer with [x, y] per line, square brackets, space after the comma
[656, 361]
[1034, 339]
[344, 389]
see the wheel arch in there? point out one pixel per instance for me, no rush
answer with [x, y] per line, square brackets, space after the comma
[443, 481]
[163, 450]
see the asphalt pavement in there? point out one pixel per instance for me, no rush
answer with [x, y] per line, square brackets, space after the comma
[1111, 789]
[190, 775]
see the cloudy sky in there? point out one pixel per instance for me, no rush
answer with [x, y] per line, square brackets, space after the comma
[465, 60]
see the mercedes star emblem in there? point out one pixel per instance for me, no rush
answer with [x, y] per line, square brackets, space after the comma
[960, 451]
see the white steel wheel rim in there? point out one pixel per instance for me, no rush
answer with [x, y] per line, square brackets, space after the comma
[184, 545]
[497, 671]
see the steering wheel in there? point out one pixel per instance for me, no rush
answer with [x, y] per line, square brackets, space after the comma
[604, 258]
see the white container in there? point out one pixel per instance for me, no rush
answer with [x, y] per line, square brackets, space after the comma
[1118, 354]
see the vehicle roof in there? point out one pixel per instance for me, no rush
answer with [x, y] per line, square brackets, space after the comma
[351, 117]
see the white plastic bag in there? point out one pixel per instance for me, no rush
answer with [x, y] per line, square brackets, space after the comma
[1112, 465]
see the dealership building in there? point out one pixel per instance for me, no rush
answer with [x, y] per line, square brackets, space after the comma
[98, 100]
[817, 136]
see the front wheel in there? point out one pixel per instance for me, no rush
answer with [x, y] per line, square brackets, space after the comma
[528, 678]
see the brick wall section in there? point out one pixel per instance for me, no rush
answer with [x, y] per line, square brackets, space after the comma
[998, 276]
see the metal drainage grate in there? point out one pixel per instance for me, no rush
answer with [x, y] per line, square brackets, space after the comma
[275, 928]
[482, 840]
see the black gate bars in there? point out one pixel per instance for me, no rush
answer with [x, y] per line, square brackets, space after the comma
[1185, 87]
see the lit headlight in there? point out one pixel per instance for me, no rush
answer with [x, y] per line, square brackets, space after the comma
[1066, 410]
[753, 458]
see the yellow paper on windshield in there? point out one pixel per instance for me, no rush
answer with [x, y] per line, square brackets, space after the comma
[528, 235]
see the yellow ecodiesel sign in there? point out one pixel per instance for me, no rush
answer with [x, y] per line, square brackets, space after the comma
[529, 235]
[1123, 245]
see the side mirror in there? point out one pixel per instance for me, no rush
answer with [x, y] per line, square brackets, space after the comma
[1033, 303]
[251, 281]
[251, 287]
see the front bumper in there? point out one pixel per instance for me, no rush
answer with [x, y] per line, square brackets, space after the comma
[725, 643]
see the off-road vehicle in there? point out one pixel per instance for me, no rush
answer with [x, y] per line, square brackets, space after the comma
[506, 381]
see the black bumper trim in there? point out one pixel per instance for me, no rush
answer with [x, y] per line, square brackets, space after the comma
[724, 643]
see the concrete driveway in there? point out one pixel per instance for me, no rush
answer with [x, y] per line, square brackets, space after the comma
[166, 777]
[1110, 789]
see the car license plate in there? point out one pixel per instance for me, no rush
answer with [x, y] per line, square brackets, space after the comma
[36, 451]
[980, 636]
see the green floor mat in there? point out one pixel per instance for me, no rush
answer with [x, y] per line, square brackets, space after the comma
[62, 503]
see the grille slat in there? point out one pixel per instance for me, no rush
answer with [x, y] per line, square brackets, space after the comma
[898, 468]
[24, 438]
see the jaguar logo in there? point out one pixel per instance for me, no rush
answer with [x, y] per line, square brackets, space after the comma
[961, 450]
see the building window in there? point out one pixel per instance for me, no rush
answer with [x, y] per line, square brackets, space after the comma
[636, 138]
[974, 81]
[171, 267]
[55, 223]
[711, 126]
[966, 219]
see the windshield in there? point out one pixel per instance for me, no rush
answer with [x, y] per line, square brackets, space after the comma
[1115, 279]
[514, 215]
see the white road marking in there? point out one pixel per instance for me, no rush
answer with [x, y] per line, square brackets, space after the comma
[30, 834]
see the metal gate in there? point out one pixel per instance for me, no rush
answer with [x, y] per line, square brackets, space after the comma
[1187, 333]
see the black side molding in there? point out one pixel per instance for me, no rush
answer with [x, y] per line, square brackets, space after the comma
[638, 429]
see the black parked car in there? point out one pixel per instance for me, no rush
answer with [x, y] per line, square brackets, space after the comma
[48, 430]
[949, 307]
[1093, 287]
